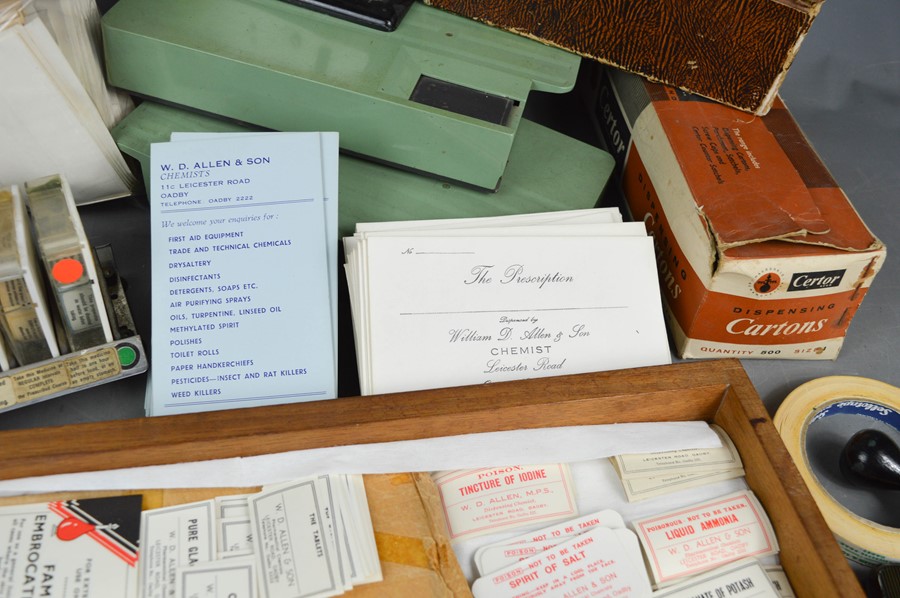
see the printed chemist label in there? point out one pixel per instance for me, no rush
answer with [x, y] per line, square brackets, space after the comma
[486, 500]
[600, 562]
[695, 539]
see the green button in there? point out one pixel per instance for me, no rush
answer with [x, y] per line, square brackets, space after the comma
[127, 355]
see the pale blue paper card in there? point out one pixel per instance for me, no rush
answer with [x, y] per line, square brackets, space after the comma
[242, 305]
[330, 163]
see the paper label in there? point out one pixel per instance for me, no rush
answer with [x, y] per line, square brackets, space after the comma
[499, 556]
[641, 488]
[69, 372]
[698, 538]
[14, 294]
[745, 579]
[599, 562]
[605, 518]
[232, 506]
[693, 460]
[333, 523]
[7, 394]
[234, 578]
[70, 549]
[39, 382]
[483, 501]
[290, 534]
[22, 325]
[653, 474]
[502, 554]
[93, 366]
[235, 534]
[174, 537]
[363, 532]
[79, 307]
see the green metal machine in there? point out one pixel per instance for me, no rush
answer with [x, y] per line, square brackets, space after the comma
[547, 172]
[440, 94]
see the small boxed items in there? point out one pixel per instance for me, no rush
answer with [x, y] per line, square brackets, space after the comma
[760, 253]
[65, 324]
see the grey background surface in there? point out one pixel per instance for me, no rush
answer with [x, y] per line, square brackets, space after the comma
[843, 89]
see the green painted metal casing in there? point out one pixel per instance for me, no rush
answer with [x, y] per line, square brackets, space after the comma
[286, 68]
[547, 172]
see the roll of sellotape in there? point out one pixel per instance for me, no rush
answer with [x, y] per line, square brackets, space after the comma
[854, 403]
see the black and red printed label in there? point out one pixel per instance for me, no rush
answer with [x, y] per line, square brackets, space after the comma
[112, 522]
[811, 281]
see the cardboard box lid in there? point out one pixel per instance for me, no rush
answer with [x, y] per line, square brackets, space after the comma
[757, 179]
[734, 51]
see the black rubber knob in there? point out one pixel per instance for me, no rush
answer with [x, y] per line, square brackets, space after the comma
[872, 459]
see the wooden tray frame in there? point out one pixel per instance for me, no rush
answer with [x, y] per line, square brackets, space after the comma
[715, 391]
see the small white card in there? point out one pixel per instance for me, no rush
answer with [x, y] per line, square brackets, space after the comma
[744, 579]
[173, 537]
[358, 519]
[329, 493]
[230, 506]
[484, 501]
[330, 149]
[599, 562]
[233, 578]
[235, 535]
[700, 537]
[572, 527]
[499, 556]
[295, 556]
[642, 488]
[316, 539]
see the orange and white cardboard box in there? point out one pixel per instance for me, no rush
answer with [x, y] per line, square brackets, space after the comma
[759, 251]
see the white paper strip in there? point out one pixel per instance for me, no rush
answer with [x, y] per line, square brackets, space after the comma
[492, 449]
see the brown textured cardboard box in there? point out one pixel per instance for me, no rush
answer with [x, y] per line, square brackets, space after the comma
[734, 51]
[759, 251]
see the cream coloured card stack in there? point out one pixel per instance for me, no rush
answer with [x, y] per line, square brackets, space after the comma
[648, 475]
[471, 301]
